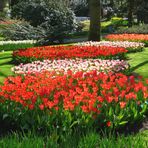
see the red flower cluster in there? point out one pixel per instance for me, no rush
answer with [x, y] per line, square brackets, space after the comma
[129, 37]
[61, 52]
[89, 91]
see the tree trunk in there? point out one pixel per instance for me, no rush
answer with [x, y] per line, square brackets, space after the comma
[130, 12]
[2, 5]
[95, 14]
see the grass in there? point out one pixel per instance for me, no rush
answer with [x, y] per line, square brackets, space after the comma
[139, 64]
[9, 47]
[90, 140]
[5, 65]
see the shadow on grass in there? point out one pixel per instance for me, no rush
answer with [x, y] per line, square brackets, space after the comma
[139, 65]
[5, 57]
[5, 60]
[6, 63]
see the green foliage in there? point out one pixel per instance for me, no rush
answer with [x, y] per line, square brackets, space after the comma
[115, 23]
[139, 29]
[107, 26]
[20, 31]
[32, 12]
[41, 121]
[52, 21]
[90, 139]
[80, 8]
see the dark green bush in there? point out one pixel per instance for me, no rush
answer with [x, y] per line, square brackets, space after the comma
[31, 11]
[80, 8]
[143, 29]
[49, 21]
[21, 31]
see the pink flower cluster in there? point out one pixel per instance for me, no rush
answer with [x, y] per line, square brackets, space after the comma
[125, 44]
[75, 65]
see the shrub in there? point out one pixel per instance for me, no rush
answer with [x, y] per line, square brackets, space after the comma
[70, 52]
[31, 11]
[80, 8]
[143, 29]
[53, 20]
[21, 31]
[47, 101]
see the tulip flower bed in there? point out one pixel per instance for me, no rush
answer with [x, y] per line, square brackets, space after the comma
[129, 37]
[75, 65]
[130, 46]
[62, 52]
[80, 100]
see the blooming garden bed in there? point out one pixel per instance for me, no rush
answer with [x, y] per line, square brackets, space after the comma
[129, 37]
[72, 100]
[75, 65]
[130, 46]
[74, 87]
[62, 52]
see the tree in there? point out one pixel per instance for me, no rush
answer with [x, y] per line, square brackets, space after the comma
[2, 4]
[130, 12]
[95, 15]
[14, 2]
[112, 3]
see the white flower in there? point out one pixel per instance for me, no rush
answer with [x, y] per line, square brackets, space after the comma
[73, 65]
[17, 42]
[125, 44]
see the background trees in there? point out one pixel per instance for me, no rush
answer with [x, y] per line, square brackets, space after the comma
[43, 20]
[4, 4]
[60, 16]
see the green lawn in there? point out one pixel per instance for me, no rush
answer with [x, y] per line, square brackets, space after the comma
[139, 62]
[5, 65]
[90, 140]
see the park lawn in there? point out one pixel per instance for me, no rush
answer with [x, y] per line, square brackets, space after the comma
[139, 62]
[87, 24]
[90, 140]
[5, 65]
